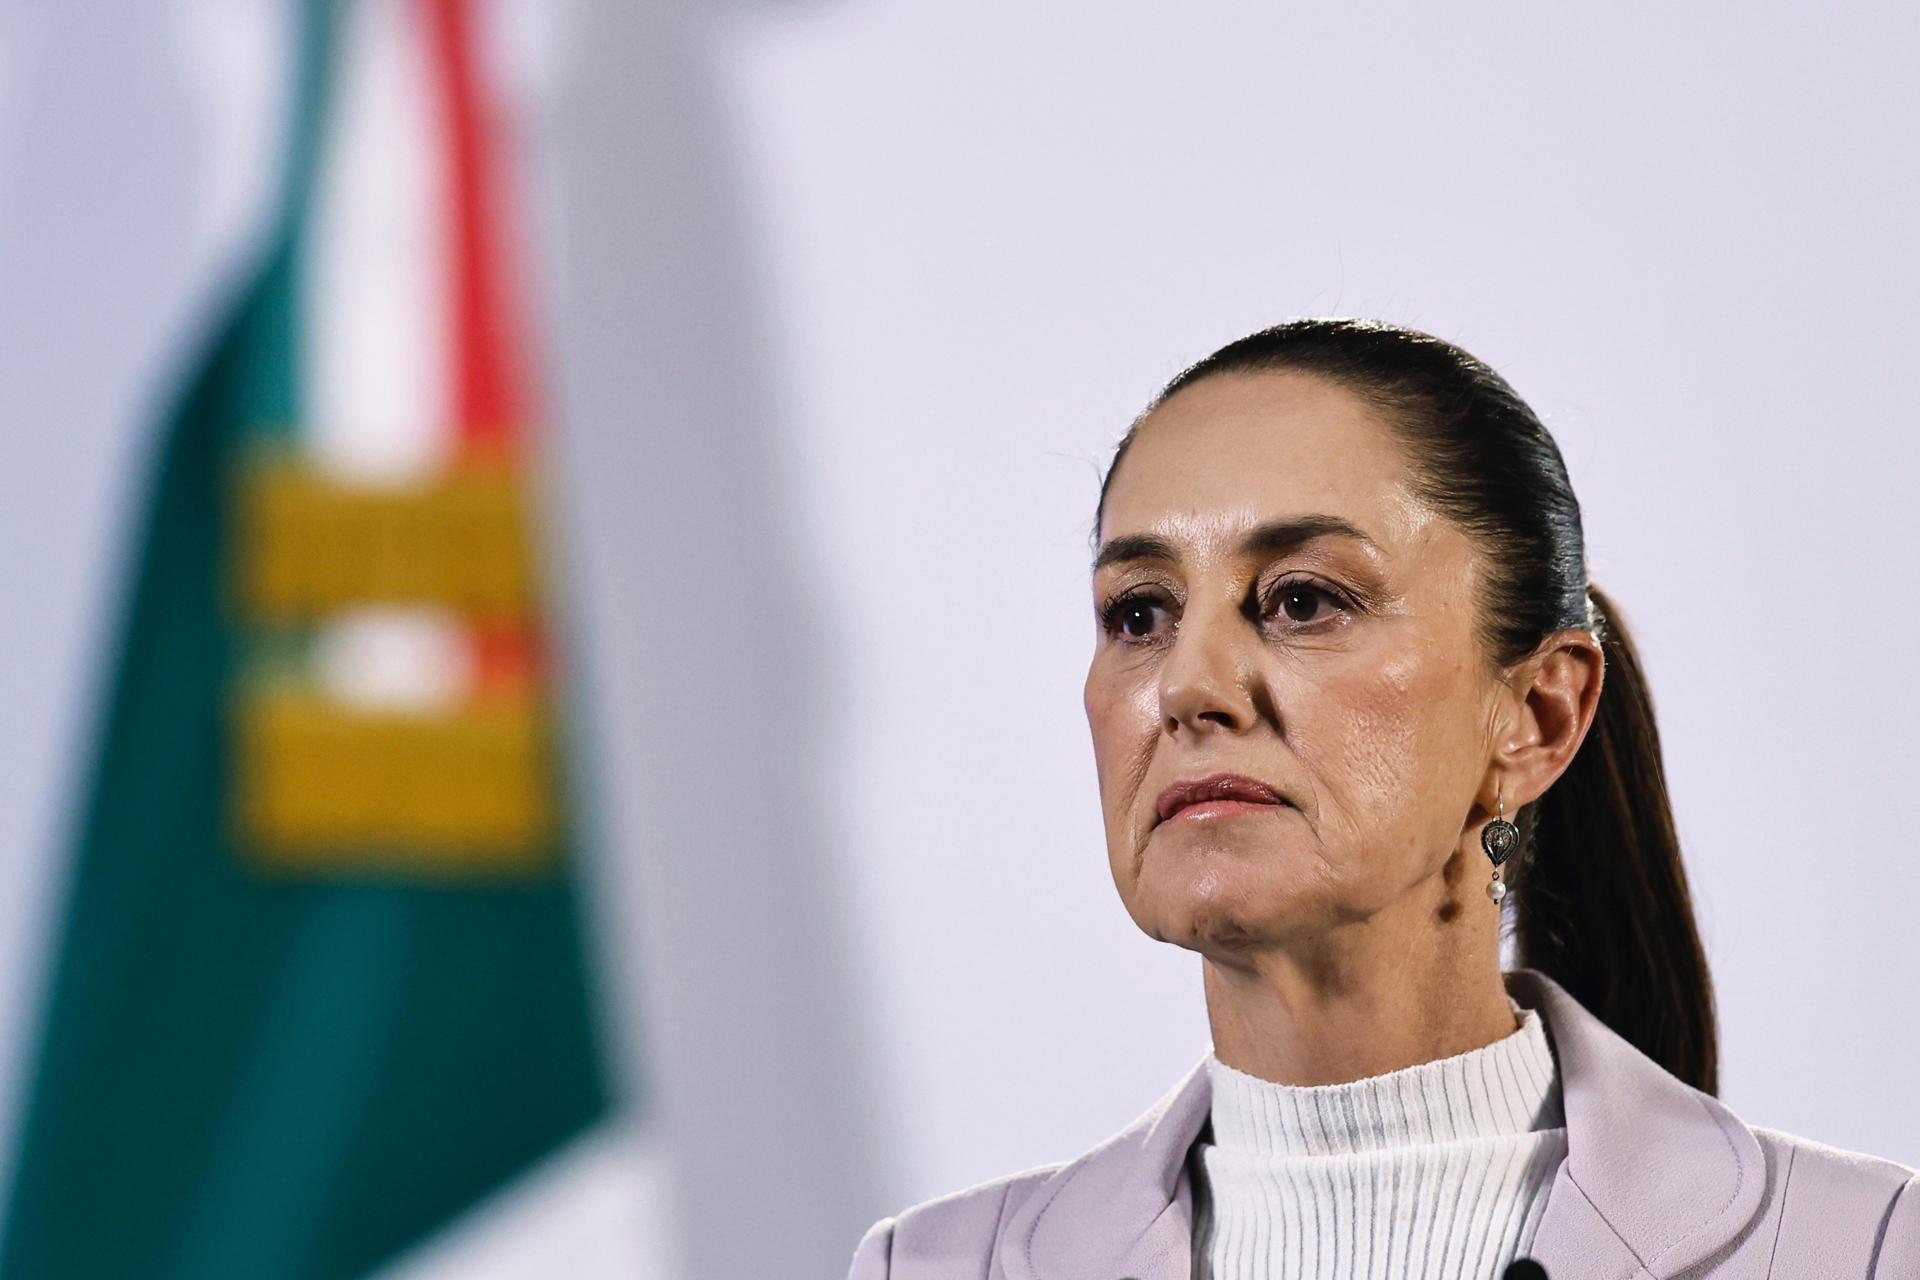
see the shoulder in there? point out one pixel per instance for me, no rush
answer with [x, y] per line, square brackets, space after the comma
[1826, 1202]
[1807, 1163]
[1093, 1214]
[956, 1234]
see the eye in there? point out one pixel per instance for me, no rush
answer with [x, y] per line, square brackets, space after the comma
[1304, 603]
[1135, 615]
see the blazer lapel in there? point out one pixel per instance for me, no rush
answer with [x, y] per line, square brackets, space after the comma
[1125, 1209]
[1658, 1176]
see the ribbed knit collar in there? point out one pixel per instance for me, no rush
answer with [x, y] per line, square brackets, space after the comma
[1507, 1087]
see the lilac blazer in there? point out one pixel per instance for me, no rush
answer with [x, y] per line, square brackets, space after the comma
[1660, 1180]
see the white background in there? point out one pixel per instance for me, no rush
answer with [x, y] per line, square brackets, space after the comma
[955, 247]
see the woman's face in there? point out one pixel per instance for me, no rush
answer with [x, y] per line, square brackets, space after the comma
[1286, 631]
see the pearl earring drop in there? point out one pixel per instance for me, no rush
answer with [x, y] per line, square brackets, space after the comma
[1499, 838]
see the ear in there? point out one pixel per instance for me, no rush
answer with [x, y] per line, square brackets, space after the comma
[1554, 694]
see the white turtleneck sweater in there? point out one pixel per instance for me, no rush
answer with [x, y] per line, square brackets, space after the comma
[1439, 1171]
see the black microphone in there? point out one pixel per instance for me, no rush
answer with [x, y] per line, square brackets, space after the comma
[1524, 1269]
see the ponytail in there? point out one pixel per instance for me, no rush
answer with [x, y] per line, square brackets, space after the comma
[1601, 902]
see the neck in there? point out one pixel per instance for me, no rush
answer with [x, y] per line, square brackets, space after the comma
[1418, 981]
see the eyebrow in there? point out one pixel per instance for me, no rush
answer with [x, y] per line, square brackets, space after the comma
[1273, 538]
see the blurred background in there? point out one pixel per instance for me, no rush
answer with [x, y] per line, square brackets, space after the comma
[545, 572]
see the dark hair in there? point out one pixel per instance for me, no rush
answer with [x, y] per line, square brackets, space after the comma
[1600, 896]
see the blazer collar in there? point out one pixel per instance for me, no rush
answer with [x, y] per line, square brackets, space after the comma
[1658, 1176]
[1125, 1209]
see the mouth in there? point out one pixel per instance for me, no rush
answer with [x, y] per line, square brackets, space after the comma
[1218, 796]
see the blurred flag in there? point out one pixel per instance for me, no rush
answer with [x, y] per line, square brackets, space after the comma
[322, 983]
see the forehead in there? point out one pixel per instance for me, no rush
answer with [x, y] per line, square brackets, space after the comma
[1237, 450]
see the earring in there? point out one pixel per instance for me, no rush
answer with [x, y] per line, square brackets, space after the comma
[1499, 838]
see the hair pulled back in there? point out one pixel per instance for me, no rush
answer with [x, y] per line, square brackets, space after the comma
[1600, 898]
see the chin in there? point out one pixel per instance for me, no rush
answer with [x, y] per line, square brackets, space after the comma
[1215, 896]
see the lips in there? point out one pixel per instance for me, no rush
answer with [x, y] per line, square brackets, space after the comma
[1221, 786]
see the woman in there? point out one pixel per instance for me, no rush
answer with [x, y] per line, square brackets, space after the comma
[1352, 685]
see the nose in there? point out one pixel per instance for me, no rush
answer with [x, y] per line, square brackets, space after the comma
[1208, 678]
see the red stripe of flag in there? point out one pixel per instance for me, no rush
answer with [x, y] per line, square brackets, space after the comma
[489, 391]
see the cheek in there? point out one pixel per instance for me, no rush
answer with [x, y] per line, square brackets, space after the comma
[1382, 748]
[1123, 714]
